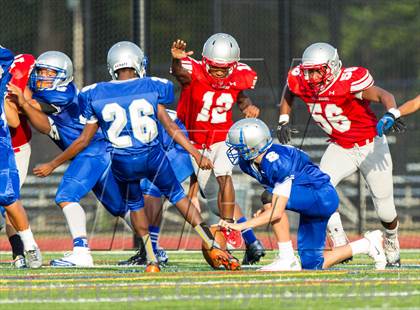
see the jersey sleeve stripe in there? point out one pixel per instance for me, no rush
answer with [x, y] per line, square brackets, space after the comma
[366, 84]
[361, 80]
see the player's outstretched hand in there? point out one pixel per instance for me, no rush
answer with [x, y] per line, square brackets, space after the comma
[234, 226]
[178, 49]
[251, 111]
[43, 170]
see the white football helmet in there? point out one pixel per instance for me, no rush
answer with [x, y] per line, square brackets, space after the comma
[56, 61]
[126, 54]
[248, 138]
[220, 50]
[324, 57]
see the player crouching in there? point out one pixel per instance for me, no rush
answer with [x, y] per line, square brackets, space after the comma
[297, 185]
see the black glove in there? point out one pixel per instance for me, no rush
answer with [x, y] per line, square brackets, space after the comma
[399, 126]
[283, 132]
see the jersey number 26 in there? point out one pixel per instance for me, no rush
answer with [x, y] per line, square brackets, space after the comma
[144, 127]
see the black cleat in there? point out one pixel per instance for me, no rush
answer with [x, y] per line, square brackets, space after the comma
[138, 259]
[253, 253]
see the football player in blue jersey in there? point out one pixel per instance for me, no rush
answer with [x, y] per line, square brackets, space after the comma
[9, 175]
[127, 110]
[180, 161]
[54, 110]
[298, 185]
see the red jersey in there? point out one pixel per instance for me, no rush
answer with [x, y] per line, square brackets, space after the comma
[206, 110]
[20, 71]
[339, 109]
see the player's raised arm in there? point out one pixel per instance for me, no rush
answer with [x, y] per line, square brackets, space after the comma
[177, 70]
[176, 133]
[75, 148]
[283, 128]
[246, 106]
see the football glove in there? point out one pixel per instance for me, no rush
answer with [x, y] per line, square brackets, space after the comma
[283, 132]
[389, 122]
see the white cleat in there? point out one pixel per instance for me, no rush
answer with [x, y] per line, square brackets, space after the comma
[33, 258]
[161, 256]
[283, 265]
[392, 252]
[376, 250]
[74, 259]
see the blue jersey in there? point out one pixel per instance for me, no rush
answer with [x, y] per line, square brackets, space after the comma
[127, 111]
[67, 123]
[282, 162]
[6, 59]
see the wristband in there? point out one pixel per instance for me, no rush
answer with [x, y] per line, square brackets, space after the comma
[395, 112]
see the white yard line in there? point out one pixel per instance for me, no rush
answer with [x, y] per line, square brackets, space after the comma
[285, 295]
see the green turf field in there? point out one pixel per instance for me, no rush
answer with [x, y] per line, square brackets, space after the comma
[188, 283]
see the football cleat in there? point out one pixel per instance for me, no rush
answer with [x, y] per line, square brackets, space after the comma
[376, 250]
[223, 258]
[33, 258]
[161, 256]
[138, 259]
[19, 262]
[279, 264]
[74, 259]
[253, 253]
[232, 237]
[152, 267]
[392, 252]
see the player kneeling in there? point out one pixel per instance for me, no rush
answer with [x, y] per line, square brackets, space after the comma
[297, 185]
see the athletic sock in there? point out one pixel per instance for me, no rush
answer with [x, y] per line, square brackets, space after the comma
[206, 235]
[149, 249]
[76, 219]
[154, 236]
[336, 230]
[247, 234]
[286, 250]
[27, 239]
[392, 233]
[17, 245]
[360, 246]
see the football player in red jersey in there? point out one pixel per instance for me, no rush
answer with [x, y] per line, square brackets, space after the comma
[338, 100]
[21, 134]
[210, 88]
